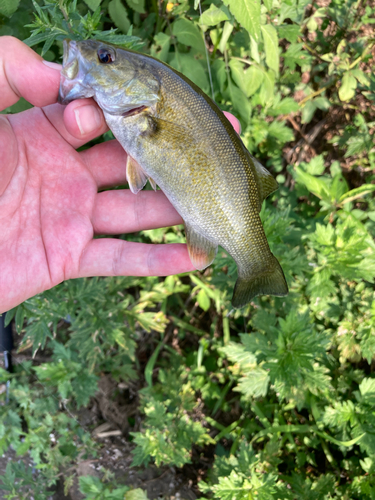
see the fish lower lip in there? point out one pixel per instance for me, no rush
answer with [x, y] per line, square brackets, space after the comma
[134, 111]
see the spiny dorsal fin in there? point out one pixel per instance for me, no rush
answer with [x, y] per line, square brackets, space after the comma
[201, 250]
[266, 183]
[135, 175]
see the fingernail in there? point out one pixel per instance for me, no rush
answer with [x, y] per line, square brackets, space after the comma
[88, 119]
[52, 65]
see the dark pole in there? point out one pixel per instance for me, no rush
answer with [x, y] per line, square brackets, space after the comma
[6, 346]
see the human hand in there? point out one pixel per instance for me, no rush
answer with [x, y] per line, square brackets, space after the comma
[50, 208]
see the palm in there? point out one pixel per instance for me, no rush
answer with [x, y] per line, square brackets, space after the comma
[48, 209]
[51, 209]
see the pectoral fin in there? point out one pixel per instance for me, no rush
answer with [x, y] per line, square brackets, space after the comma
[135, 175]
[152, 183]
[201, 250]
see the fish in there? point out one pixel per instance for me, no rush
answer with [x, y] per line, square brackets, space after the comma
[177, 137]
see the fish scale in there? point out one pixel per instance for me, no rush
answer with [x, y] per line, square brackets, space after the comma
[177, 136]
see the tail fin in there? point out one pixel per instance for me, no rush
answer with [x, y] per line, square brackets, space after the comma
[270, 282]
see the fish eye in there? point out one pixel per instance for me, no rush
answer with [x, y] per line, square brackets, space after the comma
[106, 56]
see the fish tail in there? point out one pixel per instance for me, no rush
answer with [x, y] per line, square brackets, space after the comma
[270, 282]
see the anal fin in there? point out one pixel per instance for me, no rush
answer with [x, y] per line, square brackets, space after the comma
[202, 251]
[135, 175]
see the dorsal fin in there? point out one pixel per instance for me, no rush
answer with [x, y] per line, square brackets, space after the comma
[266, 183]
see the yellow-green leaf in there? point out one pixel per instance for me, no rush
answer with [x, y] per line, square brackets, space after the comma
[247, 13]
[271, 47]
[348, 86]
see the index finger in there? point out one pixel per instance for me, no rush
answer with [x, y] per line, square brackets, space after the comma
[23, 74]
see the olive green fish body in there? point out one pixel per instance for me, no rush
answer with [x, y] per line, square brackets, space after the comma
[176, 136]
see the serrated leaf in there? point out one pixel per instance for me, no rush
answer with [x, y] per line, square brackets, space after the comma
[348, 87]
[213, 16]
[290, 32]
[188, 33]
[119, 16]
[8, 7]
[271, 47]
[284, 107]
[93, 4]
[254, 384]
[316, 165]
[247, 13]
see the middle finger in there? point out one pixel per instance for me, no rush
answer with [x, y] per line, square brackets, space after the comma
[121, 211]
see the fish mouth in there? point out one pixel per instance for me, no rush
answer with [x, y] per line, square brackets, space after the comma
[134, 111]
[71, 82]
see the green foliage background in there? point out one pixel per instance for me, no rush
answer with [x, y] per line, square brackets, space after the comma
[275, 401]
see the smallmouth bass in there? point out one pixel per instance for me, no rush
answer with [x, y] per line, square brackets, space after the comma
[179, 139]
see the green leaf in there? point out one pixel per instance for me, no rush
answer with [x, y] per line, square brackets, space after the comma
[93, 4]
[136, 494]
[308, 112]
[20, 318]
[9, 316]
[339, 187]
[315, 185]
[240, 101]
[164, 41]
[290, 32]
[187, 33]
[348, 87]
[357, 193]
[271, 47]
[252, 80]
[237, 72]
[213, 16]
[284, 107]
[119, 15]
[191, 68]
[268, 4]
[203, 300]
[227, 31]
[361, 77]
[254, 384]
[149, 370]
[316, 165]
[266, 92]
[247, 13]
[137, 5]
[8, 7]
